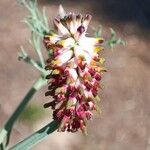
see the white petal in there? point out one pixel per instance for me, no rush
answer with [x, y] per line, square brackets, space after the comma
[54, 38]
[91, 105]
[87, 57]
[78, 50]
[72, 63]
[78, 83]
[67, 42]
[73, 73]
[74, 100]
[88, 45]
[61, 29]
[86, 21]
[65, 56]
[87, 93]
[72, 27]
[78, 20]
[73, 24]
[87, 41]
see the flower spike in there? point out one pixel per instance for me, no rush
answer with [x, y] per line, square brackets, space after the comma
[76, 71]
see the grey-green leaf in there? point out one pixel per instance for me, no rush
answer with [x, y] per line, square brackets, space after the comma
[36, 137]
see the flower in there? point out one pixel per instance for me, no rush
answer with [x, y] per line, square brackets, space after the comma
[76, 70]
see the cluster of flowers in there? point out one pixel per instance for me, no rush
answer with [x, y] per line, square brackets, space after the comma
[76, 70]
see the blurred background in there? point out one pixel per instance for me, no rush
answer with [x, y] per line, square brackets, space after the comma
[125, 99]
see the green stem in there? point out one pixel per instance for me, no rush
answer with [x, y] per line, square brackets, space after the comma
[36, 137]
[33, 63]
[24, 56]
[9, 124]
[41, 57]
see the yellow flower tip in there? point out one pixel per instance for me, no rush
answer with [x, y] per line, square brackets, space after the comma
[56, 62]
[98, 48]
[103, 69]
[61, 42]
[70, 80]
[93, 63]
[66, 42]
[99, 40]
[87, 77]
[55, 72]
[102, 60]
[98, 69]
[58, 90]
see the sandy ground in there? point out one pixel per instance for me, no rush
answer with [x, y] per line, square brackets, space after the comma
[124, 122]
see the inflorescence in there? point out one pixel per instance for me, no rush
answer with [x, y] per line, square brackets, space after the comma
[76, 71]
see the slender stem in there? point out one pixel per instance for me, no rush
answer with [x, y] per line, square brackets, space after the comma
[36, 137]
[41, 57]
[33, 63]
[9, 124]
[26, 58]
[35, 42]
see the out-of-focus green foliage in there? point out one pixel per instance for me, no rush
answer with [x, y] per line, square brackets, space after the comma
[112, 40]
[32, 114]
[97, 31]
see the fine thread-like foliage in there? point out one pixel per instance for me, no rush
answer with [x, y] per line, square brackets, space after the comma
[37, 21]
